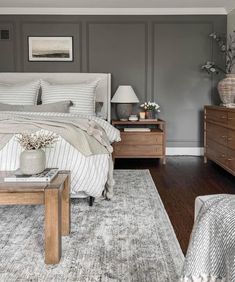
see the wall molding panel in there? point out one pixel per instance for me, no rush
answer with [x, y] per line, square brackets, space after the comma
[129, 31]
[8, 45]
[52, 28]
[166, 91]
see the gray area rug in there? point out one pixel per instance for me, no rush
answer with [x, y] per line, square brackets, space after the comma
[127, 239]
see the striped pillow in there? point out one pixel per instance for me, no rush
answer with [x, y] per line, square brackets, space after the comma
[20, 94]
[82, 95]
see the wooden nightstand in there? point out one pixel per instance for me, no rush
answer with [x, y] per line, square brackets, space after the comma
[141, 144]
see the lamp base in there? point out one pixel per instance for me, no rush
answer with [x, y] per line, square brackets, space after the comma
[124, 111]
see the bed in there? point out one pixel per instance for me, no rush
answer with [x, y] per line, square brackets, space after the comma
[90, 174]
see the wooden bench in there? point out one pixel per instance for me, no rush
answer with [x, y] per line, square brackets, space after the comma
[56, 198]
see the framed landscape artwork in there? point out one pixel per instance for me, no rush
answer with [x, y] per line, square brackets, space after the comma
[51, 49]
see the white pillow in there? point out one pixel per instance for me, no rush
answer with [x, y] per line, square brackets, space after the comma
[19, 94]
[82, 95]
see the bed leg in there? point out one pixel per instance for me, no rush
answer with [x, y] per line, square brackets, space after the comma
[91, 201]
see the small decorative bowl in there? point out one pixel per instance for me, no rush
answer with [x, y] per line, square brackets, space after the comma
[133, 118]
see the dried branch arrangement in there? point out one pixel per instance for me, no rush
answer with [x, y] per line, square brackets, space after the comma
[227, 48]
[37, 140]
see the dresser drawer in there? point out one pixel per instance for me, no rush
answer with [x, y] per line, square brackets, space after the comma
[217, 133]
[231, 119]
[231, 139]
[231, 160]
[138, 138]
[217, 116]
[138, 150]
[216, 152]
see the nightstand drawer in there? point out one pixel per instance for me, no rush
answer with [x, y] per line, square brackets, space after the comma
[140, 138]
[138, 150]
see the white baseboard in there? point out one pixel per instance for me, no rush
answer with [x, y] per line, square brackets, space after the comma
[184, 151]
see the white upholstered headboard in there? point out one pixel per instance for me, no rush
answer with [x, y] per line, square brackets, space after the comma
[103, 90]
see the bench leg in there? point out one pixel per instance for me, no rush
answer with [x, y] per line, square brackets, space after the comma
[66, 208]
[91, 201]
[52, 226]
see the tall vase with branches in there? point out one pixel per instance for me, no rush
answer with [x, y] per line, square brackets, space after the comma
[226, 87]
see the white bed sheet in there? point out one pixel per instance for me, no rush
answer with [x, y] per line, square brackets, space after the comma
[88, 174]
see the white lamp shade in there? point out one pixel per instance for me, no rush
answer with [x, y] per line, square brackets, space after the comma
[125, 94]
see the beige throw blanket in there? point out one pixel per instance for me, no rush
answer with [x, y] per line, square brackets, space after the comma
[85, 135]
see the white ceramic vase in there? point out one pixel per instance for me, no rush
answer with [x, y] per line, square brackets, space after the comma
[32, 161]
[226, 88]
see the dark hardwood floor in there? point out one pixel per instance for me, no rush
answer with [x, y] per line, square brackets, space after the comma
[179, 182]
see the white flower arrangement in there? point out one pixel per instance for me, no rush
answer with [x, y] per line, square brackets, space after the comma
[150, 106]
[37, 140]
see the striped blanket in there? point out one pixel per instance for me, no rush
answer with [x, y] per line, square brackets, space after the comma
[211, 253]
[83, 147]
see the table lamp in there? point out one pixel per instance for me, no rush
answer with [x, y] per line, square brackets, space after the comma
[124, 97]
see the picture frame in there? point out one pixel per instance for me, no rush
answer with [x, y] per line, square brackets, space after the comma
[50, 48]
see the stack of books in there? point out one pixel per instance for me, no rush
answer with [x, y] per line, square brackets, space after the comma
[137, 129]
[46, 176]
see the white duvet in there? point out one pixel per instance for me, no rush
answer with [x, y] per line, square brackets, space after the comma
[88, 174]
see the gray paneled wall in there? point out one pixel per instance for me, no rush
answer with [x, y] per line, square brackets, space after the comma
[160, 56]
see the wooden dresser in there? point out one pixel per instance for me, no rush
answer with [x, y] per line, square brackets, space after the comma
[219, 136]
[150, 144]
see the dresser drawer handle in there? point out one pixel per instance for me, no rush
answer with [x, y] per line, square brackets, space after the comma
[230, 160]
[223, 117]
